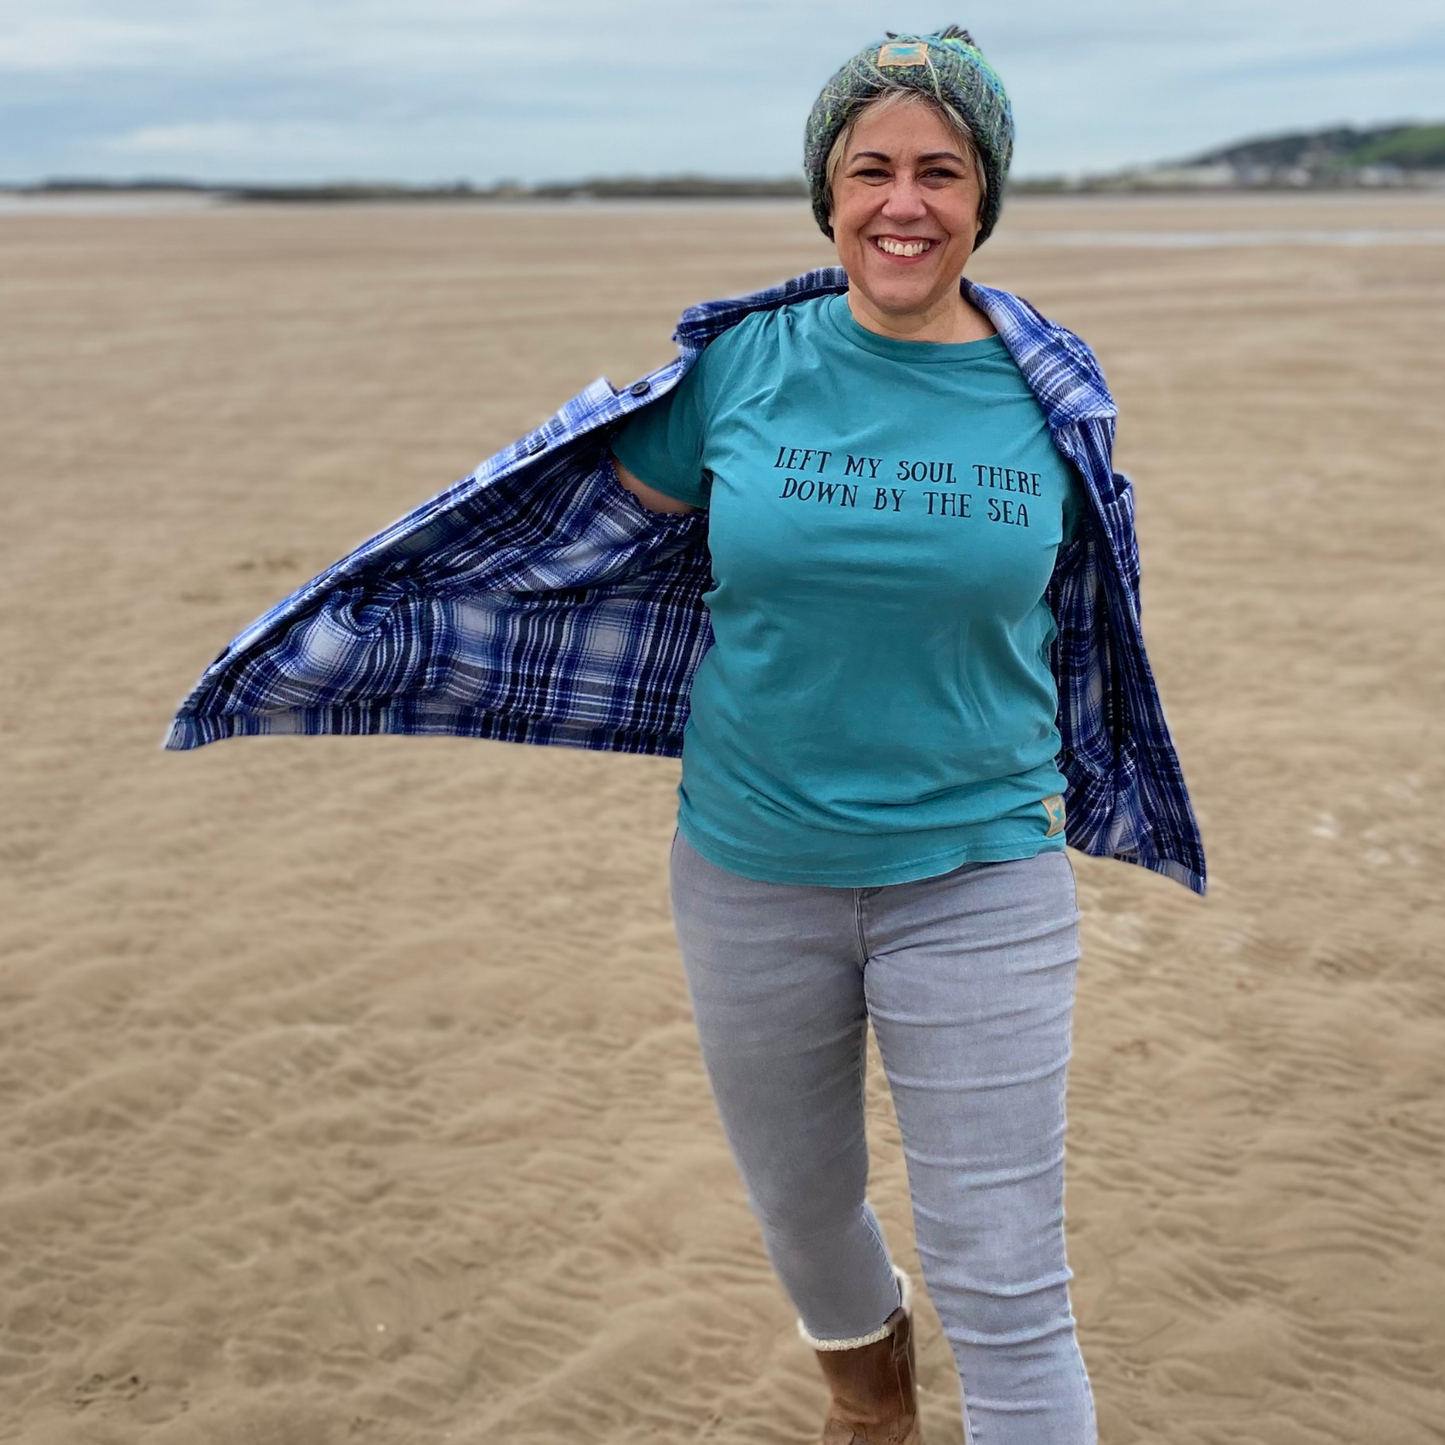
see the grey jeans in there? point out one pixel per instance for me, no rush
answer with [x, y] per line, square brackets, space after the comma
[968, 980]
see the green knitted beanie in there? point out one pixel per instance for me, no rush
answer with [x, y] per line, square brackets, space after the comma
[948, 66]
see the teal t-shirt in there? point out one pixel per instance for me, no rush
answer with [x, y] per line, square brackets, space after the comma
[883, 520]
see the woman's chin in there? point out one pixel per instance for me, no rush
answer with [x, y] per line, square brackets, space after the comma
[898, 294]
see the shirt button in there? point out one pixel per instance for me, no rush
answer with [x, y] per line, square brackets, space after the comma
[640, 388]
[533, 445]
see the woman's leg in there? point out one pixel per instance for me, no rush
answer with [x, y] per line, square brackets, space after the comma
[776, 978]
[970, 985]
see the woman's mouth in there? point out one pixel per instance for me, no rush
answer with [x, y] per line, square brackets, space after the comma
[905, 247]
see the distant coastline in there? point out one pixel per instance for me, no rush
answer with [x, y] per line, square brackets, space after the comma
[1388, 157]
[1392, 157]
[601, 188]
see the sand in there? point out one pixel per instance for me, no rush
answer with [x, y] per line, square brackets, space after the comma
[349, 1087]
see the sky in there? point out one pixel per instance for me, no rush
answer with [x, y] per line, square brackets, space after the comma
[428, 91]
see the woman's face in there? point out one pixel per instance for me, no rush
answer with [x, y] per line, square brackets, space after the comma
[905, 208]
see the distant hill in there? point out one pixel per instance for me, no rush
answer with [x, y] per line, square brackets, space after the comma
[1408, 147]
[1343, 156]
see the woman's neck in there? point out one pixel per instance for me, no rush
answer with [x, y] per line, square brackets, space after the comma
[952, 318]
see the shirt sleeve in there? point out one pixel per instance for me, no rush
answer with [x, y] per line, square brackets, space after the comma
[662, 444]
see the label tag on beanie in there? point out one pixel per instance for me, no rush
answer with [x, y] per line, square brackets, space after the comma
[903, 52]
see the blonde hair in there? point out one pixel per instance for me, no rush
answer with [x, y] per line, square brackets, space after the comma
[886, 99]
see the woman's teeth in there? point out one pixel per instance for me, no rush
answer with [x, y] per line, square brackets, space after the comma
[902, 248]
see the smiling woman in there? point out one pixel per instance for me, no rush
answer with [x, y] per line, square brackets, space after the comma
[905, 193]
[873, 800]
[892, 627]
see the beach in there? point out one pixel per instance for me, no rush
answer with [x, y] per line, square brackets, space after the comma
[350, 1090]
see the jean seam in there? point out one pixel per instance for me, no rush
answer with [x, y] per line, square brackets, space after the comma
[970, 1435]
[1081, 1370]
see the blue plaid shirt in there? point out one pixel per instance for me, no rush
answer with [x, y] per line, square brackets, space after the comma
[536, 601]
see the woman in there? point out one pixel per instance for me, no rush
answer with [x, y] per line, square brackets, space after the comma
[889, 492]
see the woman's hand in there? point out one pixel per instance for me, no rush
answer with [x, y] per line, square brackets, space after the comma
[650, 497]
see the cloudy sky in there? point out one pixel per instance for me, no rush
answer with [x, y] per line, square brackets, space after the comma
[427, 90]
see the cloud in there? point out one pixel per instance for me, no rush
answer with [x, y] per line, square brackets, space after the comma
[244, 140]
[48, 42]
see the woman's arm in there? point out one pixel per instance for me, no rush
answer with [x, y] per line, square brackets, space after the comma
[650, 497]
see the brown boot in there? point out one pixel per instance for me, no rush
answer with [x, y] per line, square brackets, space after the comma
[872, 1385]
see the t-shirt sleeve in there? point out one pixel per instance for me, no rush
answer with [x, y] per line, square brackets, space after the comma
[662, 444]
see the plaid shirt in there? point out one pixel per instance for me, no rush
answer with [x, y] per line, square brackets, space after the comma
[536, 601]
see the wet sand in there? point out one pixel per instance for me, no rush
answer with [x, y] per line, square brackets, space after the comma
[349, 1087]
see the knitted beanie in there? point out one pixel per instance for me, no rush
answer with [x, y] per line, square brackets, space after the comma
[947, 66]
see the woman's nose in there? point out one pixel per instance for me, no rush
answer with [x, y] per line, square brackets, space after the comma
[904, 201]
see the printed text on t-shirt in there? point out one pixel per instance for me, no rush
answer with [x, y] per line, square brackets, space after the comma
[937, 474]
